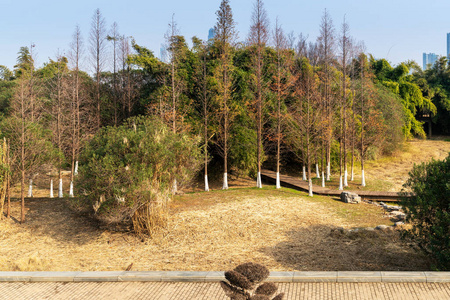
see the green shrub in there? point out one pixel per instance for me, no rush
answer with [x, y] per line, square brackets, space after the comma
[127, 172]
[429, 209]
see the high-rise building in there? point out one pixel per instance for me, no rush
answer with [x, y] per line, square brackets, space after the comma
[448, 45]
[211, 34]
[429, 59]
[163, 53]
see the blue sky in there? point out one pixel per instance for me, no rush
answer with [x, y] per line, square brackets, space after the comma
[398, 30]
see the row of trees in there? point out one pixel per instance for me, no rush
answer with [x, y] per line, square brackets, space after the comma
[272, 98]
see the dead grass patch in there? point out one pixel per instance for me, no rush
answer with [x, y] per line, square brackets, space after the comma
[222, 228]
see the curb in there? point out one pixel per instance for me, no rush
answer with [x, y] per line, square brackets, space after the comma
[215, 276]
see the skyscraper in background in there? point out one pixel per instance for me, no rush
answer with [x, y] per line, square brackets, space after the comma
[430, 59]
[163, 53]
[448, 45]
[211, 34]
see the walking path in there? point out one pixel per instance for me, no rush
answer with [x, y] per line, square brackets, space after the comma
[298, 184]
[204, 285]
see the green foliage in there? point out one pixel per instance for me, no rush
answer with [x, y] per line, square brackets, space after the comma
[413, 100]
[429, 209]
[134, 166]
[243, 150]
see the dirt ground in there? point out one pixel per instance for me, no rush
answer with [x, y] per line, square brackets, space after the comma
[282, 229]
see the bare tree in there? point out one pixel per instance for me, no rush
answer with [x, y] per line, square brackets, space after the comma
[75, 56]
[4, 174]
[27, 141]
[326, 43]
[97, 42]
[204, 93]
[281, 86]
[345, 47]
[114, 37]
[225, 37]
[128, 82]
[258, 38]
[59, 94]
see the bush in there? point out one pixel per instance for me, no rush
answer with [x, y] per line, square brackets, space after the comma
[429, 209]
[127, 172]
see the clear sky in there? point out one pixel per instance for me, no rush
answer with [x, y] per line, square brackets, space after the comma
[398, 30]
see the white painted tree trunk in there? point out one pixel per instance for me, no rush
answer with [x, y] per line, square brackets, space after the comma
[206, 184]
[340, 183]
[304, 173]
[51, 188]
[30, 188]
[278, 185]
[345, 178]
[258, 180]
[225, 182]
[323, 179]
[75, 172]
[363, 179]
[174, 186]
[310, 188]
[71, 189]
[317, 171]
[353, 175]
[328, 172]
[60, 189]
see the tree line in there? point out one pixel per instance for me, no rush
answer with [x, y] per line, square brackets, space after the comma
[273, 98]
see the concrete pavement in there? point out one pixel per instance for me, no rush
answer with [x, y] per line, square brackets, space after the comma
[204, 285]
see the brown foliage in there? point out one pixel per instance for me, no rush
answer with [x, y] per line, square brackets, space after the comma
[239, 280]
[267, 288]
[254, 272]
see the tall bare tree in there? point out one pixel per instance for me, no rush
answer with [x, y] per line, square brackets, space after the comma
[128, 86]
[224, 38]
[97, 42]
[60, 97]
[258, 38]
[75, 57]
[281, 86]
[26, 137]
[114, 37]
[326, 42]
[345, 47]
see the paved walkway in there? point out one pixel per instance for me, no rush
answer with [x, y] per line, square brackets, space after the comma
[209, 290]
[204, 285]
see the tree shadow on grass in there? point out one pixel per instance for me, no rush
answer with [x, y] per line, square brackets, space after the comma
[328, 248]
[53, 217]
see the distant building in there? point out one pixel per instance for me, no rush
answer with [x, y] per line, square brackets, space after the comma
[430, 58]
[448, 45]
[211, 34]
[163, 53]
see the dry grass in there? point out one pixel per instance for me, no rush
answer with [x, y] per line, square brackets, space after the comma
[395, 169]
[390, 173]
[284, 230]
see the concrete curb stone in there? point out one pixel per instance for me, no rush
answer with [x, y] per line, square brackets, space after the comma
[216, 276]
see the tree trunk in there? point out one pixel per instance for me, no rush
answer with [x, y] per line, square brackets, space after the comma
[51, 188]
[8, 209]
